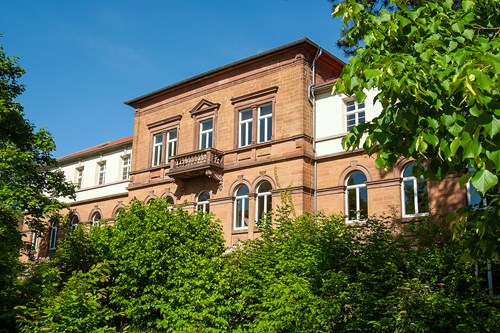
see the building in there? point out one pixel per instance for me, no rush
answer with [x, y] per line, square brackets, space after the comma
[230, 140]
[350, 183]
[101, 176]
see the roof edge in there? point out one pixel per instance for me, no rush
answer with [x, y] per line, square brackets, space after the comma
[107, 146]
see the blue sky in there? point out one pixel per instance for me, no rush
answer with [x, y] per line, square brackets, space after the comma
[83, 59]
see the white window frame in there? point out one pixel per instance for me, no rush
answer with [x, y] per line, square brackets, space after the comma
[53, 235]
[126, 162]
[101, 173]
[267, 119]
[79, 177]
[171, 207]
[203, 205]
[206, 134]
[358, 109]
[35, 240]
[357, 188]
[247, 124]
[96, 221]
[414, 181]
[267, 198]
[171, 144]
[157, 149]
[244, 200]
[73, 223]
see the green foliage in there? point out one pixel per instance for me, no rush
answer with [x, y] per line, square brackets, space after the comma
[167, 266]
[322, 275]
[75, 251]
[164, 271]
[80, 306]
[437, 67]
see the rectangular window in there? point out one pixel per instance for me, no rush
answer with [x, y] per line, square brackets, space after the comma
[35, 240]
[206, 133]
[101, 173]
[245, 127]
[79, 177]
[53, 236]
[126, 167]
[355, 114]
[265, 118]
[241, 220]
[171, 144]
[157, 149]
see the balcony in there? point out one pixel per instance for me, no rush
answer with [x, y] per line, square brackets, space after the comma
[204, 163]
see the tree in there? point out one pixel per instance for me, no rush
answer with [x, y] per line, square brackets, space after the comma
[28, 183]
[436, 65]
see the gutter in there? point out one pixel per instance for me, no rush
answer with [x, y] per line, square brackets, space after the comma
[312, 100]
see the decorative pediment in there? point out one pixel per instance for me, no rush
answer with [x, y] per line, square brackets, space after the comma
[204, 107]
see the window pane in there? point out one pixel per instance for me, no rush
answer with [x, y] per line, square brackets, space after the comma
[245, 212]
[262, 131]
[356, 178]
[361, 117]
[239, 213]
[204, 196]
[158, 138]
[423, 197]
[264, 187]
[266, 109]
[172, 134]
[409, 197]
[243, 190]
[269, 128]
[475, 198]
[206, 125]
[243, 135]
[408, 172]
[262, 206]
[351, 204]
[246, 114]
[350, 106]
[363, 203]
[203, 143]
[209, 143]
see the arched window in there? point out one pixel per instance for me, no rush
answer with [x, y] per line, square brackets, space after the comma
[53, 235]
[241, 208]
[203, 202]
[170, 201]
[96, 219]
[356, 197]
[415, 198]
[264, 201]
[74, 222]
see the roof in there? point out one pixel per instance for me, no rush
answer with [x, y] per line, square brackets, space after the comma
[325, 86]
[103, 147]
[303, 40]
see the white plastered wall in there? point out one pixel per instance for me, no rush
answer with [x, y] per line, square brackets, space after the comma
[114, 184]
[331, 124]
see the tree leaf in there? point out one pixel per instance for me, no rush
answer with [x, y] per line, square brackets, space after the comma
[371, 73]
[483, 180]
[468, 33]
[495, 157]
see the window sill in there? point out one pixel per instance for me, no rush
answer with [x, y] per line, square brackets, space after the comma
[240, 231]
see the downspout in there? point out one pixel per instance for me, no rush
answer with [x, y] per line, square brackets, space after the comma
[312, 100]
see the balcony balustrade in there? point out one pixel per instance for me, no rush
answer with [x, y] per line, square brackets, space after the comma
[208, 163]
